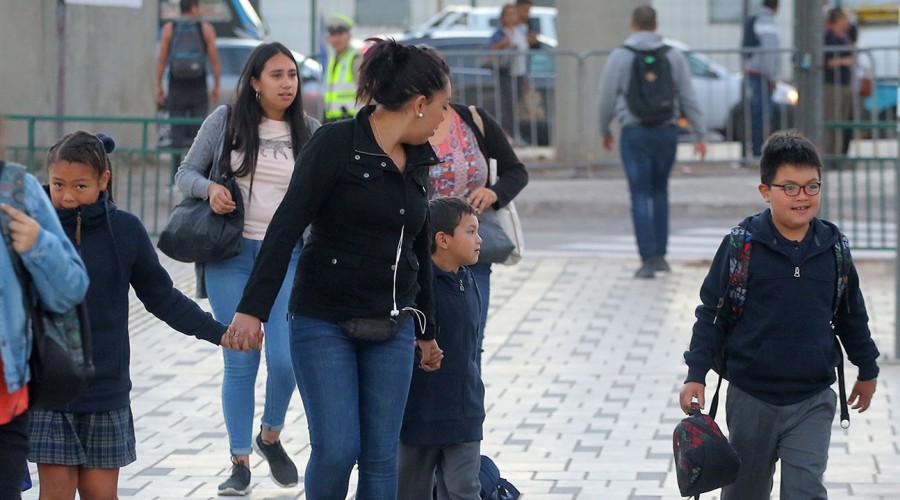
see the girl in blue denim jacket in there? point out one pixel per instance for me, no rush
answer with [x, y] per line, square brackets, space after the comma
[61, 281]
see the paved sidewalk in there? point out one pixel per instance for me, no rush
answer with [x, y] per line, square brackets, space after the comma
[583, 368]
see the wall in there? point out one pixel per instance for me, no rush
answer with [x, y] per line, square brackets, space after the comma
[109, 58]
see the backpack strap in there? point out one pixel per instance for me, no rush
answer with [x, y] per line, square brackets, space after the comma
[843, 262]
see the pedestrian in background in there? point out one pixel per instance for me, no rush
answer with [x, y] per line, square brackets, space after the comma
[258, 142]
[440, 442]
[342, 70]
[761, 67]
[511, 69]
[839, 67]
[81, 446]
[58, 276]
[464, 152]
[531, 27]
[782, 350]
[363, 283]
[187, 47]
[648, 151]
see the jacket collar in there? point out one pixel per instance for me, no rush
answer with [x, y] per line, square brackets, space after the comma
[762, 229]
[364, 143]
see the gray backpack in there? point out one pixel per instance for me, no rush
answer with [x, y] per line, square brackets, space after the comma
[187, 50]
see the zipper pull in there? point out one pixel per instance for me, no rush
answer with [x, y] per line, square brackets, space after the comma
[797, 272]
[461, 287]
[78, 229]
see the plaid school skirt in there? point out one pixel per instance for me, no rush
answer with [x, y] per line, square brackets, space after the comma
[101, 440]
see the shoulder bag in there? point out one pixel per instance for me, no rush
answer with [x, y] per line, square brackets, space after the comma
[501, 231]
[194, 233]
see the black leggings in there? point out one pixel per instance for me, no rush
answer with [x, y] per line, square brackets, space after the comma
[13, 459]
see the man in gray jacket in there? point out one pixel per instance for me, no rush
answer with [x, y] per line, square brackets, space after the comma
[761, 65]
[648, 151]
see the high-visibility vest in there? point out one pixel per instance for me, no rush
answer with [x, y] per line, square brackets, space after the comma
[340, 87]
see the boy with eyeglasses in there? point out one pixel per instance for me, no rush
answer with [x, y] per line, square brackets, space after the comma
[781, 350]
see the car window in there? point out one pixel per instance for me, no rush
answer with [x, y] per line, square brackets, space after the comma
[232, 59]
[699, 67]
[460, 22]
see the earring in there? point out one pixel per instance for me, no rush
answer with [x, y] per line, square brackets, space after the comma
[257, 95]
[421, 115]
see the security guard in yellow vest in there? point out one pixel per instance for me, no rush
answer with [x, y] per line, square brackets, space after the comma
[341, 71]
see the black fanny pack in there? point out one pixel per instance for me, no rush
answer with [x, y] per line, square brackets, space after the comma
[373, 329]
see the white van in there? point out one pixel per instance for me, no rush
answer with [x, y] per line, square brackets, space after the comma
[463, 18]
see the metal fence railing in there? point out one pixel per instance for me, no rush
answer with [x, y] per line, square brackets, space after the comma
[860, 180]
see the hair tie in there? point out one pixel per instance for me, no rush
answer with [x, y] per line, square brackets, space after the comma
[109, 145]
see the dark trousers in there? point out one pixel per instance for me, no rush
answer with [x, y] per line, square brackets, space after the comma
[648, 154]
[13, 458]
[760, 110]
[182, 103]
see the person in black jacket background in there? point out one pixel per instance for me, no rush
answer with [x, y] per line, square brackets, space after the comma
[361, 185]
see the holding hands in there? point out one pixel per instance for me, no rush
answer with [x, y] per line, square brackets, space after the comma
[431, 355]
[244, 334]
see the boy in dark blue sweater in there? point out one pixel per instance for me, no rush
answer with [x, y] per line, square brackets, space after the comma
[782, 350]
[440, 441]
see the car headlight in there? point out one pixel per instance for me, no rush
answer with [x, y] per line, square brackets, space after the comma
[793, 96]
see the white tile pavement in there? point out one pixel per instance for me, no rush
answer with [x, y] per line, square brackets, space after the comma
[583, 368]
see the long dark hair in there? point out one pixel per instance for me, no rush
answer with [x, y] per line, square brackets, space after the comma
[242, 132]
[391, 74]
[87, 148]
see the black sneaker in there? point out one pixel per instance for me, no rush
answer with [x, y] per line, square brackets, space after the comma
[238, 484]
[659, 264]
[284, 472]
[645, 271]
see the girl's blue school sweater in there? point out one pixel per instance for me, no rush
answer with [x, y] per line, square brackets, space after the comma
[118, 253]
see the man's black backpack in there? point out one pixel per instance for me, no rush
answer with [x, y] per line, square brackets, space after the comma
[187, 50]
[651, 88]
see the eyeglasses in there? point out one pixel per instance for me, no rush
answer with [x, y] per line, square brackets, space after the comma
[810, 189]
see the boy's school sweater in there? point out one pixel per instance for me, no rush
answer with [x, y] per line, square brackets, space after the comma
[782, 350]
[446, 406]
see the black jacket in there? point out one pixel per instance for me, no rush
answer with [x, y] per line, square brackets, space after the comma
[446, 406]
[782, 349]
[356, 201]
[511, 174]
[118, 253]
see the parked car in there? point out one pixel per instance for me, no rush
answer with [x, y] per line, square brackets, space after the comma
[465, 18]
[719, 92]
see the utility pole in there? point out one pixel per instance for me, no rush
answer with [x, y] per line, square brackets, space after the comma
[808, 71]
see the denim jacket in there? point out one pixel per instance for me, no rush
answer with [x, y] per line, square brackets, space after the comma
[59, 277]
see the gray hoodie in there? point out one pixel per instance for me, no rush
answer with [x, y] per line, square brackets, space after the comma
[762, 59]
[617, 72]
